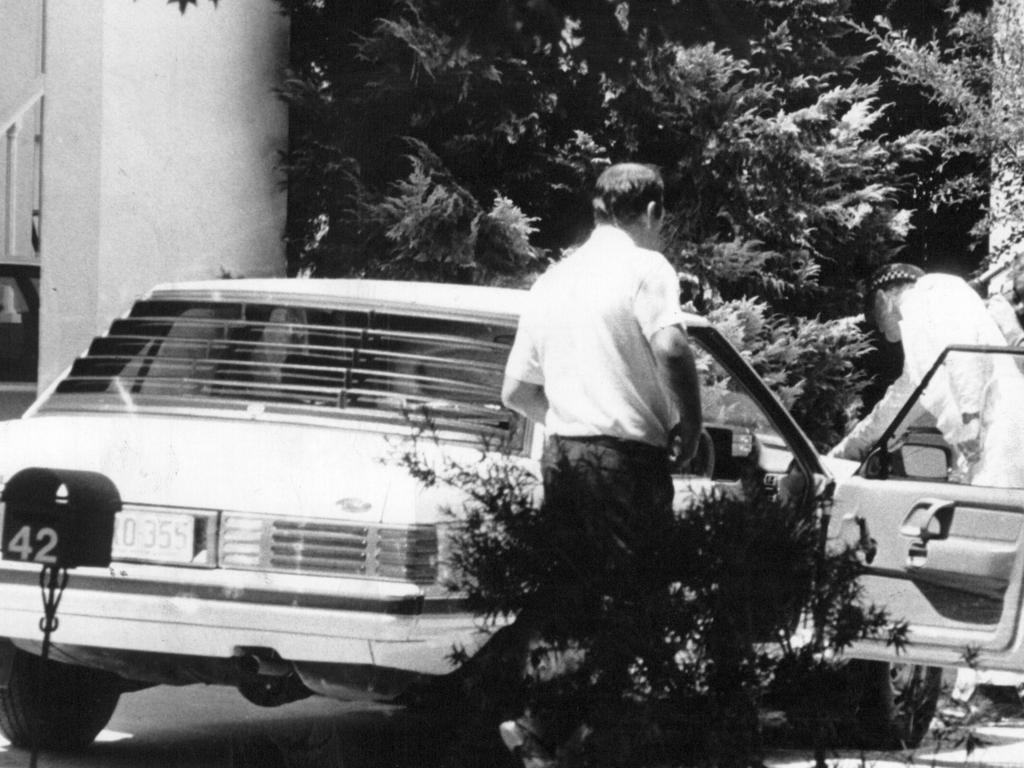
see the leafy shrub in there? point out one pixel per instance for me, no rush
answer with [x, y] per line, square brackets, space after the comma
[665, 661]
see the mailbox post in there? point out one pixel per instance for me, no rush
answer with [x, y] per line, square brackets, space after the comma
[59, 519]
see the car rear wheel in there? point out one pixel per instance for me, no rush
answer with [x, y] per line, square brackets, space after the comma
[70, 708]
[896, 703]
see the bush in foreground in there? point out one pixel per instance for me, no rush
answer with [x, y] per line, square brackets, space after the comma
[667, 660]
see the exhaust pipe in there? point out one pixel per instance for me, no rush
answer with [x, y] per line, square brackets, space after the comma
[266, 679]
[266, 664]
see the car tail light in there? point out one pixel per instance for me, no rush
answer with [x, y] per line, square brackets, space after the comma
[408, 553]
[252, 542]
[241, 541]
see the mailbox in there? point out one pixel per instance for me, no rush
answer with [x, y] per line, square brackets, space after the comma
[59, 517]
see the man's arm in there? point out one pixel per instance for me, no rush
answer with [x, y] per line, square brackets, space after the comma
[678, 368]
[525, 398]
[865, 433]
[1005, 315]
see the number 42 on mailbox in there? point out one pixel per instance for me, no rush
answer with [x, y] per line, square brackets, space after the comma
[59, 518]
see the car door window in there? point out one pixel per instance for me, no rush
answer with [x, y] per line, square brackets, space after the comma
[965, 425]
[742, 446]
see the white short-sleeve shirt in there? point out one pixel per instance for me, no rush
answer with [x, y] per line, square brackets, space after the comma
[584, 336]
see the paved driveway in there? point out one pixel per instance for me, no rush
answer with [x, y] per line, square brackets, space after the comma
[212, 726]
[208, 726]
[1003, 746]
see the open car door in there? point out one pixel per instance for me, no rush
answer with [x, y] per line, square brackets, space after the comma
[942, 498]
[749, 439]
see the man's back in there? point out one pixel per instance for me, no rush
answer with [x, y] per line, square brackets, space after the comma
[590, 319]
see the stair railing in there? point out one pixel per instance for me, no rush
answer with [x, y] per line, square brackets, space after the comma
[11, 120]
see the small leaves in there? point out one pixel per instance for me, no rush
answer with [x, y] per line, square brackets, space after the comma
[974, 76]
[183, 4]
[809, 363]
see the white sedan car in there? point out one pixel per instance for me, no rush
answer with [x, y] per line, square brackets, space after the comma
[263, 536]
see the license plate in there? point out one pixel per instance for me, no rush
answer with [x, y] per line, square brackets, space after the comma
[160, 537]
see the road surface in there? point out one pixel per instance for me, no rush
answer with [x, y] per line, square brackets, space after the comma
[199, 725]
[209, 726]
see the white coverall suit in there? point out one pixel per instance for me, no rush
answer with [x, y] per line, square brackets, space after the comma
[937, 311]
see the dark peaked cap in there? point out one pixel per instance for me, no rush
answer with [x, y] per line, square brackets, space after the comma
[887, 276]
[892, 274]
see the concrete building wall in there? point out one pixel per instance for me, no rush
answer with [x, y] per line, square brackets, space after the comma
[21, 29]
[71, 200]
[161, 136]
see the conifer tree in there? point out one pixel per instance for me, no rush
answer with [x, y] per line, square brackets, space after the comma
[444, 140]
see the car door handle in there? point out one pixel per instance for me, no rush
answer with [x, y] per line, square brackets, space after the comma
[925, 517]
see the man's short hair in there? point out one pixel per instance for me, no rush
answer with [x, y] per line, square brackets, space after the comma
[624, 191]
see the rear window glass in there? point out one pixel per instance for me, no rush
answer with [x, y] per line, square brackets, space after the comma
[376, 366]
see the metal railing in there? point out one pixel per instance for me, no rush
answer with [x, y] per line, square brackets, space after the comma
[12, 118]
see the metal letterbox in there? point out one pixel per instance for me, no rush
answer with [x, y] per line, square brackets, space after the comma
[59, 517]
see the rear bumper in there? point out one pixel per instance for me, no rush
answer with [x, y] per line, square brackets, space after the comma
[218, 614]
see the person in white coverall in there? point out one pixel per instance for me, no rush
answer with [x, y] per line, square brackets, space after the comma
[975, 400]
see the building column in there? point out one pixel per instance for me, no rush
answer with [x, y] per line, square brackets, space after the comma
[72, 170]
[160, 152]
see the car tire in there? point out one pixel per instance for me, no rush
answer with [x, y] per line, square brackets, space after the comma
[896, 703]
[71, 707]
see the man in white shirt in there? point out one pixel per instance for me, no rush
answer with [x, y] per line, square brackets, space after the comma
[602, 359]
[601, 356]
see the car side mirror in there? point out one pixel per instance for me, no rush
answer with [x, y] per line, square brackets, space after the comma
[912, 462]
[926, 462]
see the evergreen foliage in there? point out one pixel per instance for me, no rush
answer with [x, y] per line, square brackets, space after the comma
[810, 363]
[803, 143]
[974, 78]
[779, 185]
[442, 140]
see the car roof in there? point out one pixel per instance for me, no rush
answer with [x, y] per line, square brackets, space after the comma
[417, 297]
